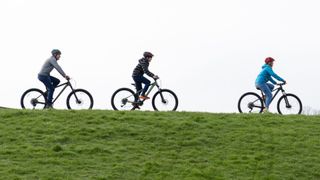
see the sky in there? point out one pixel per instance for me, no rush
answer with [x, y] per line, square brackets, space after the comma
[208, 52]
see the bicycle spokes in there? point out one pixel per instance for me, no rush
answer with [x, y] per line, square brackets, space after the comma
[250, 103]
[79, 99]
[289, 104]
[165, 100]
[33, 99]
[123, 99]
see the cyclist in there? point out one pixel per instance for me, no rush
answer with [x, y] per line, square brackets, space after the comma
[49, 81]
[262, 81]
[139, 70]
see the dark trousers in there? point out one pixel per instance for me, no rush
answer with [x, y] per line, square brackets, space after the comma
[51, 83]
[138, 81]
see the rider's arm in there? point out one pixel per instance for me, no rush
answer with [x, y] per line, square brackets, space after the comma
[273, 81]
[57, 67]
[270, 71]
[145, 67]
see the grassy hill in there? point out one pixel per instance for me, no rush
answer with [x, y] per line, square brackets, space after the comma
[97, 144]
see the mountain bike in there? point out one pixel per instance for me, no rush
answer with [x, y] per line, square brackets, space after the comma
[251, 102]
[127, 99]
[37, 99]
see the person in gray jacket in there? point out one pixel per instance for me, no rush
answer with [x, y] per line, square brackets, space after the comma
[49, 81]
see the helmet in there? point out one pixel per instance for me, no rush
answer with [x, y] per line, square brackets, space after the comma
[147, 54]
[268, 59]
[55, 52]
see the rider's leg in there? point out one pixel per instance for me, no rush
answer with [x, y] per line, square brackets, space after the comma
[271, 86]
[55, 81]
[47, 82]
[267, 91]
[146, 83]
[138, 82]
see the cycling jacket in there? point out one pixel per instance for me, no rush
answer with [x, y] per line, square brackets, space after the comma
[266, 75]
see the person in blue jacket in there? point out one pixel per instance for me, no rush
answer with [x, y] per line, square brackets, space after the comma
[264, 77]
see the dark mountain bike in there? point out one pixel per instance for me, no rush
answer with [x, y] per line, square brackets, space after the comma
[37, 99]
[127, 99]
[251, 102]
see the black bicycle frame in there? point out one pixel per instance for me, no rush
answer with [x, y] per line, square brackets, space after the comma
[66, 84]
[275, 94]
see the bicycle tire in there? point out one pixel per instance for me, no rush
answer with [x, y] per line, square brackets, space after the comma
[123, 99]
[33, 99]
[250, 104]
[282, 98]
[154, 99]
[87, 96]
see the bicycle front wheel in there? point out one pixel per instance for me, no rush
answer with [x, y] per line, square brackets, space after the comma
[250, 103]
[123, 99]
[33, 99]
[79, 99]
[289, 104]
[165, 100]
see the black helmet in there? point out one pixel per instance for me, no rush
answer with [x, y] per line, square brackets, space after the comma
[55, 52]
[147, 54]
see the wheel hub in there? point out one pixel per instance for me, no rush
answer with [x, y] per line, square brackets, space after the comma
[124, 101]
[164, 101]
[79, 101]
[34, 102]
[250, 105]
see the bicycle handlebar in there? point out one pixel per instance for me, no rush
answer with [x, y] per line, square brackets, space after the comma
[281, 84]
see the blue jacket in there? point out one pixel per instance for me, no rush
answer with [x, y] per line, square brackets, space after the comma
[266, 75]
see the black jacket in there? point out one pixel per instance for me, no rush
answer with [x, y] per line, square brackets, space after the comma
[142, 68]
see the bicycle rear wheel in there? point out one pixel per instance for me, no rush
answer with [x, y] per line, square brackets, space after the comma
[33, 99]
[289, 104]
[250, 103]
[123, 99]
[165, 100]
[79, 99]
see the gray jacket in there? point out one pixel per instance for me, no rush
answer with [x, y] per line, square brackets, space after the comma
[48, 66]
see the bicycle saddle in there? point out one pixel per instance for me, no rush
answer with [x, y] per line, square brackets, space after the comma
[133, 84]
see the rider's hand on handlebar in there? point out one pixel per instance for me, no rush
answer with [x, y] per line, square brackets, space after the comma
[282, 83]
[155, 77]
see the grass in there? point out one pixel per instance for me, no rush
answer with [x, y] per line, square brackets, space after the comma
[157, 145]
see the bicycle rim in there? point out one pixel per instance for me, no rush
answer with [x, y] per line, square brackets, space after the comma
[123, 99]
[292, 106]
[250, 103]
[33, 99]
[79, 99]
[169, 102]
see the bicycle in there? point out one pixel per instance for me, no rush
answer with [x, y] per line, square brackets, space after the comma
[127, 99]
[37, 99]
[251, 102]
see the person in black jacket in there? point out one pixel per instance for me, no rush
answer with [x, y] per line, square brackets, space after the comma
[139, 70]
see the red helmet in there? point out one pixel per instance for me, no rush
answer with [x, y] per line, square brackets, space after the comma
[268, 59]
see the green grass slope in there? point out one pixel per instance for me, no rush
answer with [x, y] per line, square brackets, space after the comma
[157, 145]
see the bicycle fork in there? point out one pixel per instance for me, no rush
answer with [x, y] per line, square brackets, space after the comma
[286, 99]
[75, 95]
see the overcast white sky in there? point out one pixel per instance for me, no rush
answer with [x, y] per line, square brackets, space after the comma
[208, 51]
